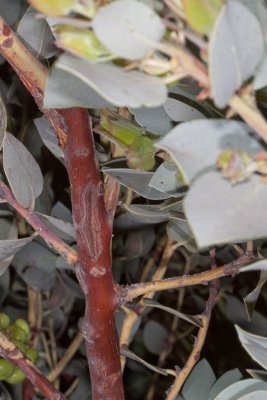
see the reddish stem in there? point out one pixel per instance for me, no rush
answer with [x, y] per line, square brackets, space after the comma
[93, 225]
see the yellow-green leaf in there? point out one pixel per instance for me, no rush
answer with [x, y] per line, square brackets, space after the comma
[141, 154]
[201, 14]
[54, 7]
[64, 7]
[119, 127]
[81, 42]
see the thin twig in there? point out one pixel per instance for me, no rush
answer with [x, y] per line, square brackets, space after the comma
[47, 354]
[71, 350]
[201, 337]
[133, 314]
[135, 290]
[72, 387]
[11, 353]
[172, 337]
[39, 226]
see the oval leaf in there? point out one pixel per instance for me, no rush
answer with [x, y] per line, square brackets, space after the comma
[241, 388]
[199, 382]
[195, 145]
[220, 213]
[234, 47]
[134, 27]
[22, 171]
[224, 381]
[37, 34]
[119, 87]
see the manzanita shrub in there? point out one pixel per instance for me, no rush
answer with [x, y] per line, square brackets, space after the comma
[133, 199]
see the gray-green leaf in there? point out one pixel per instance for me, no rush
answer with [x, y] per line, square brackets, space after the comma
[22, 171]
[220, 213]
[255, 345]
[112, 83]
[235, 47]
[128, 28]
[195, 145]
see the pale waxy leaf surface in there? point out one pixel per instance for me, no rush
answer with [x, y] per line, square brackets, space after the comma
[260, 79]
[116, 86]
[75, 93]
[258, 8]
[37, 34]
[255, 345]
[194, 145]
[63, 229]
[136, 180]
[10, 247]
[237, 390]
[224, 381]
[179, 111]
[128, 28]
[219, 212]
[49, 137]
[257, 395]
[155, 119]
[234, 47]
[165, 180]
[22, 171]
[199, 382]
